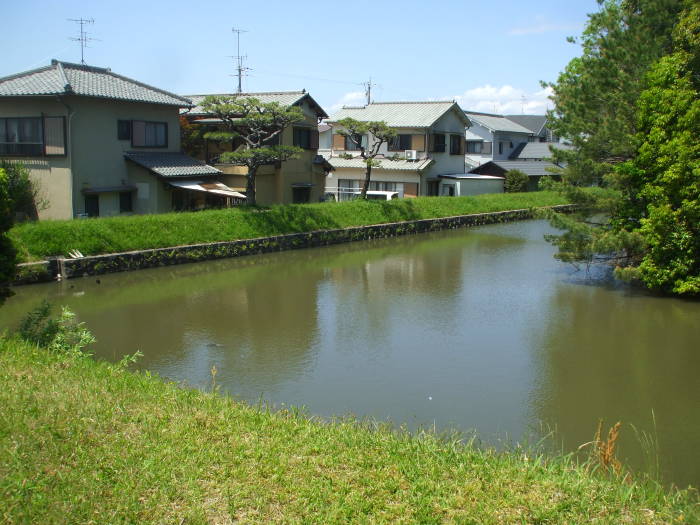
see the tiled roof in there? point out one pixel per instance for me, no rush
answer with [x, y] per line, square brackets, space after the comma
[284, 98]
[537, 150]
[168, 164]
[534, 123]
[386, 164]
[401, 114]
[530, 168]
[496, 122]
[64, 78]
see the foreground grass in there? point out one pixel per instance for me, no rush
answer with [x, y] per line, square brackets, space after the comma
[118, 234]
[87, 442]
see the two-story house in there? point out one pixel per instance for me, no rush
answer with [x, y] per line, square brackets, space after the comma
[537, 124]
[293, 181]
[492, 137]
[98, 144]
[425, 158]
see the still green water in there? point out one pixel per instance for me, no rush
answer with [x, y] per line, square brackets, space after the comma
[477, 329]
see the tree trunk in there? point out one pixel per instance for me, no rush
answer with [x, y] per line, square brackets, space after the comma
[365, 185]
[250, 187]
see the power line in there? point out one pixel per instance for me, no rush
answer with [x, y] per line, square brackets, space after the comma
[83, 37]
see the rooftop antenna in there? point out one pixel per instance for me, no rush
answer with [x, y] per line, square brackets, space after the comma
[83, 38]
[524, 101]
[368, 90]
[239, 58]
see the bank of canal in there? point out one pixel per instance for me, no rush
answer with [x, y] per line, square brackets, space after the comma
[477, 329]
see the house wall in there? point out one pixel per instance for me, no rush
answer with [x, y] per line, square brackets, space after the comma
[94, 155]
[507, 138]
[51, 174]
[99, 155]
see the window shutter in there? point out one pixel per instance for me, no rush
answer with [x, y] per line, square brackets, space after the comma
[138, 133]
[462, 145]
[313, 139]
[418, 142]
[431, 140]
[54, 136]
[338, 142]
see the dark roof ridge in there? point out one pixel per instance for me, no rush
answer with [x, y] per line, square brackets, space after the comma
[84, 67]
[469, 112]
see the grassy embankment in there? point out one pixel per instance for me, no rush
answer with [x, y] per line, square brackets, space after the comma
[83, 441]
[118, 234]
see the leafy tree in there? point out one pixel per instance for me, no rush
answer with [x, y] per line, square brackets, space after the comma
[190, 137]
[377, 133]
[8, 254]
[256, 125]
[25, 196]
[595, 96]
[654, 200]
[516, 181]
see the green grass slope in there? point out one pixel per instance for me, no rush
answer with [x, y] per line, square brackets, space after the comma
[88, 442]
[118, 234]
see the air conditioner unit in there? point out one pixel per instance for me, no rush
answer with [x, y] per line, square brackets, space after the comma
[411, 154]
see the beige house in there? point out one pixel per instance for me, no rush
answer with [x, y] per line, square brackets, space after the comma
[101, 144]
[428, 147]
[293, 181]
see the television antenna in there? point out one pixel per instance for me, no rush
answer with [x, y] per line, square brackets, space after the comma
[368, 90]
[83, 37]
[240, 69]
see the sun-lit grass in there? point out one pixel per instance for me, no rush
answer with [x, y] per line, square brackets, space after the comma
[87, 442]
[108, 235]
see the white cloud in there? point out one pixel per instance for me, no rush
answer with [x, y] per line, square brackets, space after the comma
[541, 25]
[353, 98]
[505, 100]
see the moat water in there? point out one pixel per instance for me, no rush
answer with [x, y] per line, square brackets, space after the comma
[476, 330]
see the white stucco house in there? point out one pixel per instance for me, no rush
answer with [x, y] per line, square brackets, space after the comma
[493, 137]
[425, 158]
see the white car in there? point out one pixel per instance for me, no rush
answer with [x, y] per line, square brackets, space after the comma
[377, 195]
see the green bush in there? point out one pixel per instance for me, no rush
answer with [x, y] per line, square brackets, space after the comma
[516, 181]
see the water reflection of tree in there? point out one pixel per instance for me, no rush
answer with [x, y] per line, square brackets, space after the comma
[607, 354]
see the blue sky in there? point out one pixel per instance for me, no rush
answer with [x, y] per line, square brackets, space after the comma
[486, 55]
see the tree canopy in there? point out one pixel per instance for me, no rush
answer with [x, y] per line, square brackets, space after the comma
[256, 125]
[377, 133]
[8, 254]
[639, 74]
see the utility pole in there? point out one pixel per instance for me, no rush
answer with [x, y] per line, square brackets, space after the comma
[239, 59]
[368, 90]
[83, 38]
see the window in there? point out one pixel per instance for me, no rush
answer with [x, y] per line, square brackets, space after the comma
[123, 130]
[302, 138]
[125, 202]
[474, 146]
[301, 195]
[21, 136]
[350, 145]
[500, 148]
[400, 143]
[149, 134]
[487, 148]
[455, 144]
[438, 142]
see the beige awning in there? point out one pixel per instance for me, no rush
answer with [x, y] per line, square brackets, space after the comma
[210, 187]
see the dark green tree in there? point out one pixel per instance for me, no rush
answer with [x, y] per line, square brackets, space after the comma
[652, 166]
[377, 133]
[516, 181]
[256, 124]
[8, 254]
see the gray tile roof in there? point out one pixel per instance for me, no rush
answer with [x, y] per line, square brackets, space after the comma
[496, 122]
[284, 98]
[386, 164]
[529, 168]
[401, 114]
[534, 123]
[537, 150]
[64, 78]
[167, 164]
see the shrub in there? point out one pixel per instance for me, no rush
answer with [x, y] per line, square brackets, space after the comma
[516, 181]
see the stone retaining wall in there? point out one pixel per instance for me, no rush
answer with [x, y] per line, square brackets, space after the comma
[136, 260]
